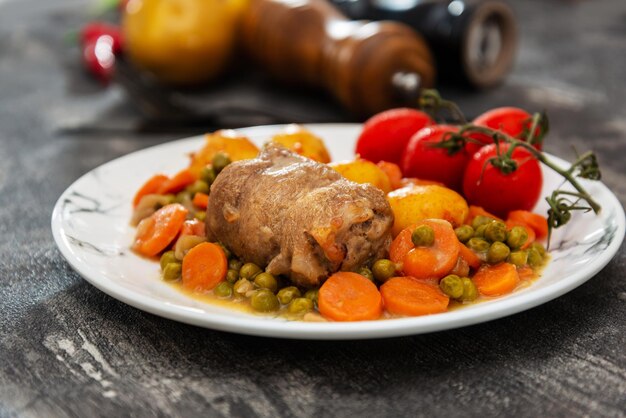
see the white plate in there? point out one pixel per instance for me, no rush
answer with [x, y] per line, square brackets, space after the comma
[90, 224]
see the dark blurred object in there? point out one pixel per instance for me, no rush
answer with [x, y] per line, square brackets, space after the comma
[474, 41]
[367, 66]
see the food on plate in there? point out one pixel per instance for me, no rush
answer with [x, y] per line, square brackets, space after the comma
[303, 142]
[385, 135]
[282, 234]
[501, 189]
[297, 217]
[414, 203]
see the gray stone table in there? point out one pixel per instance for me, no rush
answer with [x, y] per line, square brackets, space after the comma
[67, 349]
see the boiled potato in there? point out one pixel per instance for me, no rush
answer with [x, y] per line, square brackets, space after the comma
[414, 203]
[236, 146]
[363, 171]
[303, 142]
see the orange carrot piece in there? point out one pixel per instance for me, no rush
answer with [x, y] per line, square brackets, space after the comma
[537, 222]
[410, 297]
[392, 171]
[177, 183]
[531, 232]
[201, 200]
[194, 227]
[151, 186]
[469, 256]
[157, 231]
[496, 280]
[526, 273]
[204, 267]
[475, 211]
[349, 296]
[426, 262]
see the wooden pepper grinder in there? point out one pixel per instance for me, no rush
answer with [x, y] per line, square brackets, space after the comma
[367, 66]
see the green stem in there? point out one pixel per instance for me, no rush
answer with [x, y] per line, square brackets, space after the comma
[567, 174]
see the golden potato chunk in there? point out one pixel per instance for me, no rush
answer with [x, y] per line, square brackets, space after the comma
[236, 146]
[303, 142]
[363, 171]
[414, 203]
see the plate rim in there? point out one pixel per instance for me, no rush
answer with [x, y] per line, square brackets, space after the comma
[495, 309]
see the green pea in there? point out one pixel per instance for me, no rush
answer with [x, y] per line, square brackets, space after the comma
[519, 258]
[480, 231]
[223, 290]
[165, 200]
[539, 248]
[300, 306]
[263, 300]
[199, 186]
[235, 264]
[470, 292]
[481, 220]
[287, 294]
[183, 197]
[200, 215]
[478, 244]
[517, 237]
[172, 271]
[312, 295]
[423, 236]
[249, 271]
[166, 258]
[367, 273]
[497, 252]
[266, 281]
[232, 275]
[452, 285]
[534, 258]
[495, 231]
[464, 233]
[383, 269]
[242, 287]
[208, 175]
[220, 161]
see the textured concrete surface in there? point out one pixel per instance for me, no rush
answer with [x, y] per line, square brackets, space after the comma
[67, 349]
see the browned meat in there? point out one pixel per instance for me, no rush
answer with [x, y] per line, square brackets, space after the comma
[297, 217]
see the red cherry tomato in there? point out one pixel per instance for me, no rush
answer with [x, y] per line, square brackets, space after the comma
[486, 186]
[386, 134]
[92, 31]
[422, 160]
[510, 120]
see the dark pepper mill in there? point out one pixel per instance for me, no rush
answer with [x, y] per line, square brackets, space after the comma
[368, 66]
[473, 41]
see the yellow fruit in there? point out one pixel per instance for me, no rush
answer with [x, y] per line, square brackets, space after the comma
[363, 171]
[237, 147]
[304, 142]
[181, 41]
[414, 203]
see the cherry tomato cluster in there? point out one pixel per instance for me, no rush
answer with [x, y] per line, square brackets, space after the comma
[412, 139]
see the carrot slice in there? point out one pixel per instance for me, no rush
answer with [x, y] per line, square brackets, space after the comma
[201, 200]
[475, 211]
[537, 222]
[204, 267]
[177, 183]
[157, 231]
[151, 186]
[194, 227]
[469, 256]
[496, 280]
[410, 297]
[392, 171]
[526, 273]
[531, 232]
[349, 296]
[426, 262]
